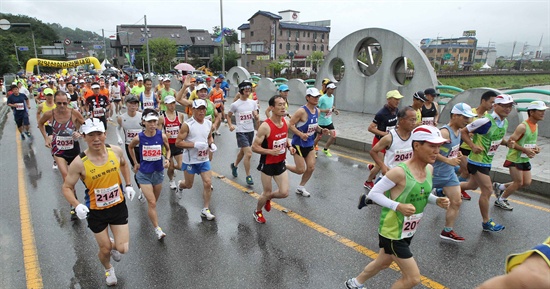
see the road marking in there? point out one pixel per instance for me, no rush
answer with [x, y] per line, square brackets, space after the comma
[30, 257]
[427, 282]
[476, 191]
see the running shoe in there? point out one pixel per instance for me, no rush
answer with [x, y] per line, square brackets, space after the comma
[350, 284]
[363, 201]
[259, 217]
[267, 205]
[491, 226]
[141, 197]
[160, 234]
[303, 192]
[368, 185]
[217, 133]
[28, 133]
[54, 167]
[451, 236]
[211, 187]
[249, 181]
[205, 213]
[74, 217]
[465, 196]
[179, 191]
[173, 184]
[110, 277]
[438, 192]
[234, 170]
[327, 152]
[22, 136]
[498, 192]
[116, 255]
[316, 148]
[503, 205]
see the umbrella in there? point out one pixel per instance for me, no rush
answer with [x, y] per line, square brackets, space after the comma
[184, 66]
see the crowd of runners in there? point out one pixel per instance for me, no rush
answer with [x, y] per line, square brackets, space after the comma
[417, 159]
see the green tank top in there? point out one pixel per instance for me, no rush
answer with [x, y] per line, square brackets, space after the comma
[528, 140]
[210, 110]
[489, 142]
[395, 226]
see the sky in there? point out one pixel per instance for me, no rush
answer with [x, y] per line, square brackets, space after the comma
[500, 22]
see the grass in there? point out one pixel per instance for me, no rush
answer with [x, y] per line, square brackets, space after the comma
[498, 82]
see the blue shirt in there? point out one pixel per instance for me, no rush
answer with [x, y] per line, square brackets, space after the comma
[325, 102]
[223, 86]
[20, 98]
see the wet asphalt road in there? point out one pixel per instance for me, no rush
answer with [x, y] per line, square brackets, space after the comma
[309, 247]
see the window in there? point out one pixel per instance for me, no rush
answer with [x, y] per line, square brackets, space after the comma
[322, 47]
[304, 34]
[253, 62]
[257, 47]
[303, 47]
[297, 47]
[308, 47]
[280, 46]
[288, 46]
[243, 34]
[308, 34]
[251, 33]
[314, 47]
[252, 21]
[281, 32]
[297, 34]
[314, 35]
[288, 33]
[323, 36]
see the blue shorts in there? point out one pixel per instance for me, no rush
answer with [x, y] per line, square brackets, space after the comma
[449, 180]
[196, 168]
[153, 178]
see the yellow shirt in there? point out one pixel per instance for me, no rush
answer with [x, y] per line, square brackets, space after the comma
[103, 183]
[46, 108]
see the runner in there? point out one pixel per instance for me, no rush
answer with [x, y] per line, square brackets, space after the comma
[283, 92]
[20, 106]
[418, 101]
[430, 109]
[75, 99]
[150, 168]
[129, 124]
[164, 92]
[97, 104]
[522, 147]
[99, 167]
[326, 108]
[245, 111]
[216, 96]
[170, 121]
[211, 113]
[140, 87]
[195, 137]
[384, 121]
[303, 125]
[488, 136]
[147, 96]
[42, 108]
[116, 96]
[403, 193]
[271, 142]
[444, 168]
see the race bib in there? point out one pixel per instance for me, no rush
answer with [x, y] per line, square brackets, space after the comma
[20, 106]
[148, 104]
[454, 152]
[528, 146]
[151, 153]
[428, 121]
[202, 155]
[245, 117]
[311, 129]
[493, 148]
[280, 145]
[64, 143]
[328, 114]
[403, 155]
[410, 224]
[172, 132]
[131, 134]
[388, 128]
[99, 111]
[107, 196]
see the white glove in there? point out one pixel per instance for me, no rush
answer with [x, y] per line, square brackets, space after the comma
[213, 147]
[81, 211]
[130, 193]
[120, 142]
[201, 145]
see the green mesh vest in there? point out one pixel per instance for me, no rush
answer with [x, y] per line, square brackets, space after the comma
[489, 142]
[528, 140]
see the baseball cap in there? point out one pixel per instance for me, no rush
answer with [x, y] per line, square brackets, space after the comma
[420, 96]
[313, 92]
[326, 81]
[208, 79]
[198, 103]
[331, 85]
[169, 99]
[283, 87]
[81, 81]
[537, 105]
[161, 79]
[95, 85]
[91, 125]
[464, 109]
[218, 80]
[431, 91]
[429, 134]
[132, 98]
[202, 86]
[150, 116]
[246, 84]
[193, 79]
[48, 91]
[140, 78]
[504, 99]
[394, 94]
[221, 76]
[166, 79]
[200, 80]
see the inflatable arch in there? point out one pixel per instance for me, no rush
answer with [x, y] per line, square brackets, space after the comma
[61, 64]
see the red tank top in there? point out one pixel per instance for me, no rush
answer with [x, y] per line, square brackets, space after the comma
[277, 139]
[172, 128]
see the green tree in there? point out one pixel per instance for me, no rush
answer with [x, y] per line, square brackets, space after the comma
[276, 66]
[316, 58]
[231, 57]
[161, 53]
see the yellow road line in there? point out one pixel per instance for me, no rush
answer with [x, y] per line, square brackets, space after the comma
[354, 158]
[30, 257]
[427, 282]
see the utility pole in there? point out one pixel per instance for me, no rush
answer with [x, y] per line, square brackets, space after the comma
[147, 44]
[17, 55]
[513, 49]
[104, 46]
[223, 40]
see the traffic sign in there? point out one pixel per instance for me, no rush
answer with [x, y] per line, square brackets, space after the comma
[23, 48]
[67, 41]
[447, 56]
[98, 46]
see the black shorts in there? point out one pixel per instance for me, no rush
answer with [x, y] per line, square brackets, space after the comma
[174, 150]
[136, 151]
[398, 248]
[520, 166]
[465, 152]
[49, 129]
[329, 127]
[472, 169]
[68, 158]
[117, 100]
[272, 169]
[302, 151]
[98, 220]
[21, 120]
[219, 109]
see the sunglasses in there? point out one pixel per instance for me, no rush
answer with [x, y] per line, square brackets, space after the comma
[314, 96]
[62, 103]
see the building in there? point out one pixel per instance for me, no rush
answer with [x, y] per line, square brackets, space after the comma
[450, 51]
[203, 45]
[268, 36]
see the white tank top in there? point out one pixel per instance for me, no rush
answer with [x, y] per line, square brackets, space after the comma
[131, 125]
[399, 151]
[198, 132]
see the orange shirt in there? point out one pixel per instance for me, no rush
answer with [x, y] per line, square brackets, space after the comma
[217, 97]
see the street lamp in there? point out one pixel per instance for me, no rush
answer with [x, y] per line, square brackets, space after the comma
[5, 25]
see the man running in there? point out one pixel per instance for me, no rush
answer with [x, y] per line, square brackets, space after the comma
[20, 106]
[403, 194]
[164, 92]
[116, 96]
[129, 125]
[245, 111]
[430, 109]
[170, 121]
[522, 147]
[42, 108]
[488, 135]
[216, 96]
[97, 104]
[418, 101]
[272, 143]
[99, 168]
[147, 96]
[326, 109]
[195, 137]
[283, 92]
